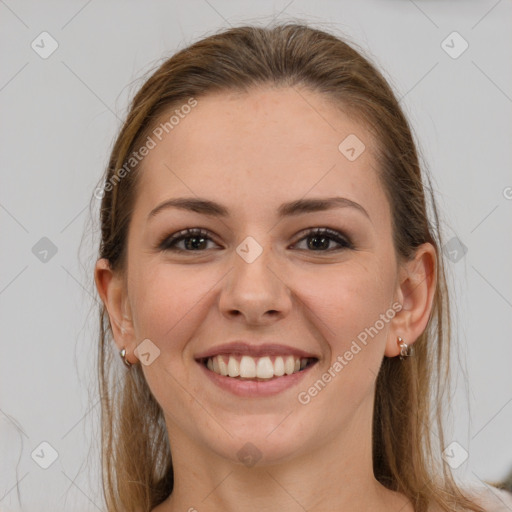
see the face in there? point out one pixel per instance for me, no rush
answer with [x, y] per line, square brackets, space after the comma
[313, 282]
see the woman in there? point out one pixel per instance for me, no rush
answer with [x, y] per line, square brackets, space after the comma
[275, 287]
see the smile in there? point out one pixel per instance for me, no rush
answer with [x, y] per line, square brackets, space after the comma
[239, 374]
[256, 368]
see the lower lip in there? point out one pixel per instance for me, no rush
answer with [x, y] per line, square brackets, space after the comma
[252, 388]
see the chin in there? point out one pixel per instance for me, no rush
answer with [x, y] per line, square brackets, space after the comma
[265, 440]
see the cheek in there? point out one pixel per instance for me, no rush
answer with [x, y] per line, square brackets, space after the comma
[351, 307]
[347, 301]
[168, 304]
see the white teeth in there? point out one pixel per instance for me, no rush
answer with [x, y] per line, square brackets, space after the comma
[248, 367]
[289, 365]
[233, 367]
[222, 366]
[279, 366]
[264, 368]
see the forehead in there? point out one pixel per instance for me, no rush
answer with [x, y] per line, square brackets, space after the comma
[267, 143]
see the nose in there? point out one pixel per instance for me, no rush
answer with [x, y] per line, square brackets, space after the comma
[256, 291]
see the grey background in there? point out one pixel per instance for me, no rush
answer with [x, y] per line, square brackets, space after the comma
[58, 119]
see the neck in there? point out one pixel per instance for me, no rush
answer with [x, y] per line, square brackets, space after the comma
[336, 475]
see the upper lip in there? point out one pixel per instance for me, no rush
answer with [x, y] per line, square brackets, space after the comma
[254, 350]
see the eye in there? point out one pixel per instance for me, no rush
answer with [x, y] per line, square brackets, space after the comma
[195, 240]
[319, 240]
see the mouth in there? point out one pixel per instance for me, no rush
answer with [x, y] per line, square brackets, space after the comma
[256, 369]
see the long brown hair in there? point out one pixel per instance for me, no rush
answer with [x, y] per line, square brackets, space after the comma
[409, 398]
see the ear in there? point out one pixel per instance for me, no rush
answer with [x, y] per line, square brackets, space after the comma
[112, 291]
[415, 291]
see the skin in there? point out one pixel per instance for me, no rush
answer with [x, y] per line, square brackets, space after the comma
[252, 152]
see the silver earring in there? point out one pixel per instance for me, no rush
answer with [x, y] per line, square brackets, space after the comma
[122, 353]
[405, 350]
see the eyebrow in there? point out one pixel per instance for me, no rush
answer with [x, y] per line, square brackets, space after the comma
[298, 207]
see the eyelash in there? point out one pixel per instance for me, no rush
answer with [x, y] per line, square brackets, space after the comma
[169, 242]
